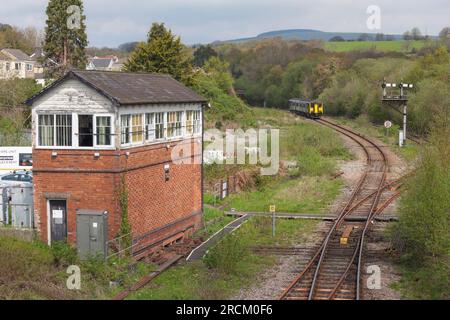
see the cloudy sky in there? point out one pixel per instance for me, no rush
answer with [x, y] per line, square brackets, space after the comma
[112, 22]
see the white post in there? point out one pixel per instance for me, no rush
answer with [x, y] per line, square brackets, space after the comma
[405, 109]
[400, 138]
[273, 224]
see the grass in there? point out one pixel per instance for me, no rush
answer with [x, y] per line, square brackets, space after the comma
[198, 280]
[430, 282]
[408, 153]
[383, 46]
[300, 195]
[36, 271]
[214, 221]
[306, 189]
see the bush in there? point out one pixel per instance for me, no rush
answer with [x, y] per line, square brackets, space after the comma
[422, 234]
[63, 254]
[226, 255]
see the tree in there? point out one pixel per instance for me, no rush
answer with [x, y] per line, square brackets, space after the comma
[65, 35]
[364, 37]
[14, 118]
[416, 34]
[162, 53]
[337, 39]
[13, 37]
[128, 46]
[379, 37]
[202, 54]
[218, 70]
[445, 34]
[407, 36]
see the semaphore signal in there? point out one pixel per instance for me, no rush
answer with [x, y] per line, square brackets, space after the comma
[400, 98]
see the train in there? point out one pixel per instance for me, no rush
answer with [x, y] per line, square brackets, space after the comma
[306, 108]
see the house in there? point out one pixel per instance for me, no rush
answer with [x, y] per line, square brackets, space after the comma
[38, 57]
[14, 63]
[96, 133]
[106, 63]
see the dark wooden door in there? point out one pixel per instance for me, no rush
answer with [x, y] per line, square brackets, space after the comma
[58, 220]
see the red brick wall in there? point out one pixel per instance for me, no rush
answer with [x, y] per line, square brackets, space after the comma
[90, 183]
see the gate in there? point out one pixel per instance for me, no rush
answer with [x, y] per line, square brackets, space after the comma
[16, 205]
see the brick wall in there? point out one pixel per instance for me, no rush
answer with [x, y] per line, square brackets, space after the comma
[158, 208]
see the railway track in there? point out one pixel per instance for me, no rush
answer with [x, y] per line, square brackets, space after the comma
[334, 271]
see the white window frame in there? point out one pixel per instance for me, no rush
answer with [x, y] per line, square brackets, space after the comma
[196, 124]
[75, 142]
[38, 126]
[29, 67]
[154, 111]
[55, 129]
[164, 126]
[111, 125]
[181, 133]
[150, 127]
[142, 129]
[129, 131]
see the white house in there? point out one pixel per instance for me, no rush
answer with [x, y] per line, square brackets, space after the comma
[14, 63]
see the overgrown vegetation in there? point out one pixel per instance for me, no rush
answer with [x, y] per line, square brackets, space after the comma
[356, 91]
[32, 270]
[14, 119]
[125, 226]
[229, 266]
[383, 46]
[422, 234]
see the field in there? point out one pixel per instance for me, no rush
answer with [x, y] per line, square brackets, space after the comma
[384, 46]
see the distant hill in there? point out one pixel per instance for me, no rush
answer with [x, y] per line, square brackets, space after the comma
[310, 34]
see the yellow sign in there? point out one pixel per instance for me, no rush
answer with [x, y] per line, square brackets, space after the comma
[272, 208]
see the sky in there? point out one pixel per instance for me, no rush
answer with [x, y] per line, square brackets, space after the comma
[113, 22]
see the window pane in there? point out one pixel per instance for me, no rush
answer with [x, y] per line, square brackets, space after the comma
[125, 129]
[149, 127]
[64, 130]
[189, 122]
[45, 131]
[136, 122]
[174, 124]
[85, 131]
[159, 125]
[197, 122]
[104, 131]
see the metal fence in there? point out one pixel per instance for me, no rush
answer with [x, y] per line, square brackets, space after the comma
[120, 247]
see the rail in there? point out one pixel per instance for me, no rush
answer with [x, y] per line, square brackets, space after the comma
[318, 259]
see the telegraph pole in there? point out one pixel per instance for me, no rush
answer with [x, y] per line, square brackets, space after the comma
[402, 99]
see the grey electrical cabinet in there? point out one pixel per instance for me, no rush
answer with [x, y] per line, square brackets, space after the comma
[22, 205]
[92, 233]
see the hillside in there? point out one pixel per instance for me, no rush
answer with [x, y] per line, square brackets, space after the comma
[306, 34]
[310, 34]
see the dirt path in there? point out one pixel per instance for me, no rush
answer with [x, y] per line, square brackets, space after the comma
[273, 281]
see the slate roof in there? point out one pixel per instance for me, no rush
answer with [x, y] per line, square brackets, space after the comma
[18, 54]
[101, 63]
[125, 88]
[4, 57]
